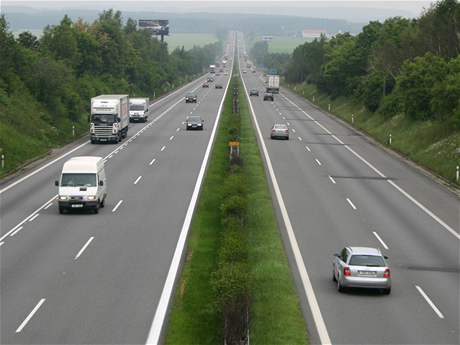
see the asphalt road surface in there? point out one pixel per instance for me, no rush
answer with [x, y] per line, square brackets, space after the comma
[101, 278]
[334, 189]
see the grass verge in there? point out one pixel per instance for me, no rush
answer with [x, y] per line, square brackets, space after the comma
[275, 315]
[431, 144]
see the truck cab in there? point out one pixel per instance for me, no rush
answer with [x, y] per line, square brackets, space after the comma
[82, 184]
[109, 118]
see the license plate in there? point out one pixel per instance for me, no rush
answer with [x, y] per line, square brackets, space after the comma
[367, 273]
[77, 205]
[103, 139]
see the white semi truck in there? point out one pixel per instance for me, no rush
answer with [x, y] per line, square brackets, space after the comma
[273, 85]
[138, 109]
[109, 118]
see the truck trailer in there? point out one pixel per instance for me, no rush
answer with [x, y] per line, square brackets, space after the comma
[273, 83]
[109, 118]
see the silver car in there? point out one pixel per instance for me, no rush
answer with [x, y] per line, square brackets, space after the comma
[279, 131]
[361, 267]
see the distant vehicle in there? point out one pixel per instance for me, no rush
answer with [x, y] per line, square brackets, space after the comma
[221, 70]
[226, 73]
[205, 85]
[268, 97]
[210, 80]
[244, 71]
[253, 71]
[361, 267]
[212, 68]
[254, 92]
[278, 131]
[219, 86]
[217, 74]
[194, 122]
[138, 109]
[273, 83]
[82, 184]
[191, 98]
[109, 118]
[248, 65]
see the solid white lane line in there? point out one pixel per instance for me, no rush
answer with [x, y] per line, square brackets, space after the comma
[318, 162]
[300, 139]
[378, 172]
[31, 314]
[308, 288]
[430, 302]
[163, 148]
[162, 308]
[34, 217]
[171, 137]
[28, 217]
[84, 247]
[138, 179]
[109, 156]
[152, 161]
[380, 240]
[48, 206]
[16, 231]
[351, 204]
[117, 205]
[332, 180]
[308, 149]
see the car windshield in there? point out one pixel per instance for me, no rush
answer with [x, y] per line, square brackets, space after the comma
[280, 127]
[78, 180]
[136, 107]
[195, 119]
[367, 260]
[106, 119]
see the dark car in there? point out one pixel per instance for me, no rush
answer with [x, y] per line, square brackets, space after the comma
[210, 80]
[268, 97]
[219, 86]
[194, 122]
[205, 85]
[254, 92]
[190, 98]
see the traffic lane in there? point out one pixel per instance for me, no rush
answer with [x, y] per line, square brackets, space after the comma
[433, 195]
[310, 213]
[20, 201]
[417, 243]
[106, 225]
[126, 269]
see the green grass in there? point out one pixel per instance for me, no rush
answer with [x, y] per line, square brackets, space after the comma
[188, 40]
[275, 315]
[431, 144]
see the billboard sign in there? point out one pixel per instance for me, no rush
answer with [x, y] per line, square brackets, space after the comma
[155, 26]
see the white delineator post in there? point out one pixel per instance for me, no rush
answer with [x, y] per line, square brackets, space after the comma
[3, 163]
[389, 139]
[73, 130]
[352, 118]
[457, 172]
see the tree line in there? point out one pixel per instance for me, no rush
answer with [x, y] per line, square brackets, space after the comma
[58, 73]
[409, 66]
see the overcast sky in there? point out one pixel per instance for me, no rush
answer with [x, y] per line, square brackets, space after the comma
[325, 9]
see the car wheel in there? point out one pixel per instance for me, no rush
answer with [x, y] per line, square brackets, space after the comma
[93, 141]
[102, 203]
[96, 210]
[387, 291]
[61, 210]
[334, 279]
[340, 287]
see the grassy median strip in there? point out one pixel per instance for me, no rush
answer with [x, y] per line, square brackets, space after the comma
[235, 260]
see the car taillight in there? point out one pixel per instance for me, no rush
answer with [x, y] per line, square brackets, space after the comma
[286, 130]
[346, 272]
[387, 274]
[273, 130]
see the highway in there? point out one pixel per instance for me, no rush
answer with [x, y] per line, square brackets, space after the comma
[334, 188]
[102, 278]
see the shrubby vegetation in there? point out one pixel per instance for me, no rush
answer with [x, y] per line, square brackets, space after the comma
[46, 83]
[400, 66]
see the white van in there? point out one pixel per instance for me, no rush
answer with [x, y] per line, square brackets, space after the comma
[138, 109]
[82, 184]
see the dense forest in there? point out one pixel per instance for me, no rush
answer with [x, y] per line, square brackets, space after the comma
[400, 65]
[46, 84]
